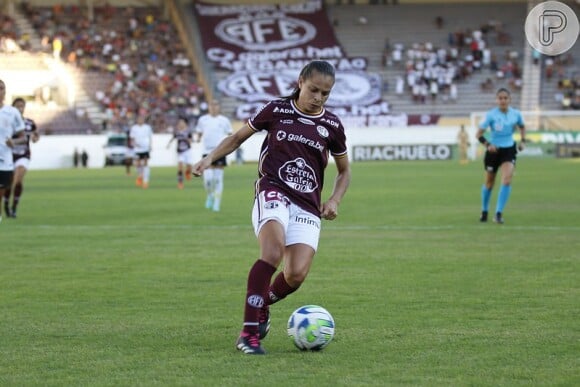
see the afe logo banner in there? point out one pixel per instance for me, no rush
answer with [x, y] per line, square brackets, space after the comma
[350, 88]
[401, 152]
[270, 37]
[275, 32]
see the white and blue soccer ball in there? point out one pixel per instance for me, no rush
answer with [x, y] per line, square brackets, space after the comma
[311, 328]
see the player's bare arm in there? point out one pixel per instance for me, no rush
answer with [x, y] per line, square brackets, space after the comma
[18, 139]
[329, 208]
[227, 146]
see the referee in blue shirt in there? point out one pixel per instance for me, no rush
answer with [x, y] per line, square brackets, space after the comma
[501, 151]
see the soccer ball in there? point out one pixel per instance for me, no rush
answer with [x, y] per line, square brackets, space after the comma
[311, 328]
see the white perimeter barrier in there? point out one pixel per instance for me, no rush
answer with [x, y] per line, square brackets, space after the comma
[54, 152]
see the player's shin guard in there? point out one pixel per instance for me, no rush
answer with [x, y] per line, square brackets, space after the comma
[218, 187]
[258, 282]
[18, 189]
[279, 289]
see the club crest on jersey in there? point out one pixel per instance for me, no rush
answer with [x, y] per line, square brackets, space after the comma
[281, 135]
[322, 131]
[306, 121]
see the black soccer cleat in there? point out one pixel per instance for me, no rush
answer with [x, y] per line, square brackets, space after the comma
[249, 344]
[483, 217]
[264, 321]
[498, 218]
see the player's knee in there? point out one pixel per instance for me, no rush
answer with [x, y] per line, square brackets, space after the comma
[295, 279]
[273, 255]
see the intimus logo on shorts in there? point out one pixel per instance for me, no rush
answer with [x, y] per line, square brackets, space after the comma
[306, 220]
[552, 28]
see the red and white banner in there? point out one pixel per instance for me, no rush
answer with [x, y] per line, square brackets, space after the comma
[265, 46]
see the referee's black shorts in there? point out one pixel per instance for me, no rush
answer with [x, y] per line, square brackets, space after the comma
[492, 161]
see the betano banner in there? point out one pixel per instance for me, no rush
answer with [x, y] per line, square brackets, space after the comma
[263, 48]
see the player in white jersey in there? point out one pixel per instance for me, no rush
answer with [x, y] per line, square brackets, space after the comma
[140, 139]
[21, 154]
[11, 133]
[211, 129]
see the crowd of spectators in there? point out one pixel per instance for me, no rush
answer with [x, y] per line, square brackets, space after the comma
[433, 71]
[138, 56]
[562, 67]
[11, 39]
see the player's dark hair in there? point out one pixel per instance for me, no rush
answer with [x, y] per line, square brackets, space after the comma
[503, 90]
[184, 118]
[19, 99]
[320, 66]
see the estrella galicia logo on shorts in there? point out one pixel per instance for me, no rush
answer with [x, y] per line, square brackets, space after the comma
[256, 301]
[271, 205]
[552, 28]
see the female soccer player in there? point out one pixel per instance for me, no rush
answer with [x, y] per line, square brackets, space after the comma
[140, 139]
[184, 157]
[211, 129]
[500, 151]
[287, 207]
[11, 133]
[21, 157]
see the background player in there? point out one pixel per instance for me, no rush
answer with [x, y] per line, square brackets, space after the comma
[11, 133]
[21, 157]
[500, 153]
[141, 138]
[184, 155]
[211, 129]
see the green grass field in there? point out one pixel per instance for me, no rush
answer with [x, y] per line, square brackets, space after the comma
[102, 283]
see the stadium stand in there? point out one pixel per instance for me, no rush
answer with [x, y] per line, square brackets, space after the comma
[126, 58]
[561, 81]
[420, 26]
[155, 67]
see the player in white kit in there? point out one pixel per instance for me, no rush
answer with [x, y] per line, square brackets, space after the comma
[11, 133]
[211, 129]
[141, 137]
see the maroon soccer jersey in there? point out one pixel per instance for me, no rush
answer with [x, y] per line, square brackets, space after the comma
[183, 140]
[23, 150]
[295, 151]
